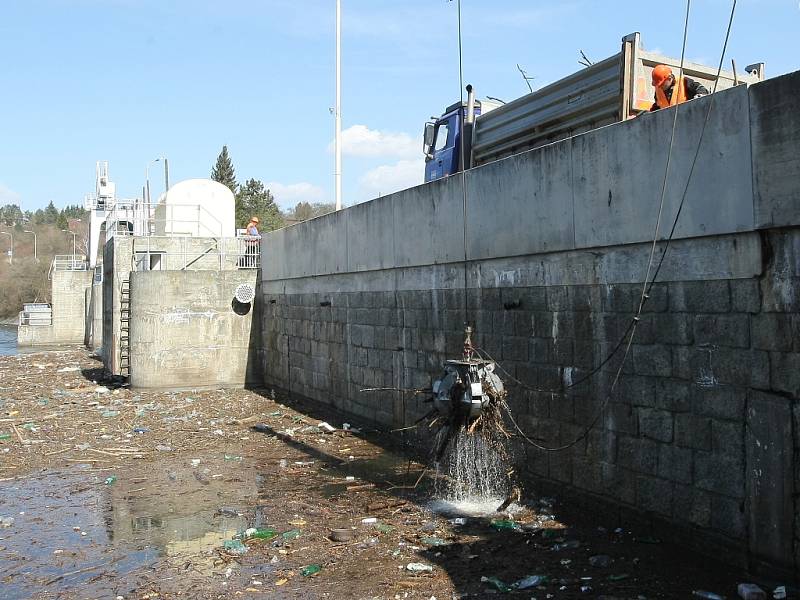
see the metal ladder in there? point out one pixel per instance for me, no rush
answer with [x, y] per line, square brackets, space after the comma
[124, 328]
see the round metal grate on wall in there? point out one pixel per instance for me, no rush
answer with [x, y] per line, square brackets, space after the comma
[244, 293]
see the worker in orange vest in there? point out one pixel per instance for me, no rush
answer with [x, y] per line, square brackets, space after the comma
[671, 91]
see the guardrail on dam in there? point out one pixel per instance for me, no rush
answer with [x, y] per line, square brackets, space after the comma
[545, 256]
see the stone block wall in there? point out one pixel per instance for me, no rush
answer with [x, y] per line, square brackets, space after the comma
[699, 431]
[700, 438]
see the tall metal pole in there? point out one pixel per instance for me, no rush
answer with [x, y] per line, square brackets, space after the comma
[166, 175]
[337, 172]
[74, 238]
[147, 184]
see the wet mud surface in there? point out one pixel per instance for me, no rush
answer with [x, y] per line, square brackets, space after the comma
[123, 493]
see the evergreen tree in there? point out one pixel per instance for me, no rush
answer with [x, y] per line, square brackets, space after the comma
[223, 171]
[50, 213]
[254, 200]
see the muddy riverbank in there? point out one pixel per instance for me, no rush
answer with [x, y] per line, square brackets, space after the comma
[118, 492]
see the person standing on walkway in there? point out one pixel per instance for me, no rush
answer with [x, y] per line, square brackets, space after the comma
[253, 242]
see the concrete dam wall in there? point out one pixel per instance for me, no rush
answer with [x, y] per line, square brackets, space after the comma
[544, 253]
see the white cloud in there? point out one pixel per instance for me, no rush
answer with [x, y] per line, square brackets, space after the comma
[387, 179]
[360, 140]
[287, 195]
[8, 196]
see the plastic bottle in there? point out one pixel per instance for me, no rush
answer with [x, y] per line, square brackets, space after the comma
[310, 570]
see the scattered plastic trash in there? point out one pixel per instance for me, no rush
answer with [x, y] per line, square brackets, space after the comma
[141, 430]
[384, 528]
[505, 525]
[600, 561]
[235, 546]
[750, 591]
[232, 458]
[326, 427]
[283, 463]
[292, 534]
[565, 561]
[349, 478]
[195, 462]
[261, 533]
[30, 427]
[110, 413]
[619, 577]
[226, 511]
[417, 567]
[68, 369]
[310, 570]
[110, 480]
[369, 521]
[586, 589]
[458, 521]
[163, 448]
[529, 582]
[434, 541]
[779, 593]
[6, 522]
[707, 595]
[304, 463]
[497, 584]
[569, 545]
[5, 436]
[101, 389]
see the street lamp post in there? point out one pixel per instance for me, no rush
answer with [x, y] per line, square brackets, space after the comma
[35, 252]
[74, 238]
[147, 176]
[11, 249]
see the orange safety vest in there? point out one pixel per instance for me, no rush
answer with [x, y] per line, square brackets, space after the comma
[678, 94]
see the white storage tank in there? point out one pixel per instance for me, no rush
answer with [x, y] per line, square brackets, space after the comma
[196, 208]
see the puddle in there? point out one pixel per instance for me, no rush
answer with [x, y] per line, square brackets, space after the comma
[72, 529]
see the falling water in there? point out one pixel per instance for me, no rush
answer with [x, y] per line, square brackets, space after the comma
[472, 475]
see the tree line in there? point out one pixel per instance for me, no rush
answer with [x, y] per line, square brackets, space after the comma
[253, 199]
[11, 215]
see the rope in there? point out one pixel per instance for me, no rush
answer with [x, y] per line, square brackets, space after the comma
[647, 286]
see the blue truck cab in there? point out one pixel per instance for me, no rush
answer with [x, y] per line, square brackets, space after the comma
[442, 139]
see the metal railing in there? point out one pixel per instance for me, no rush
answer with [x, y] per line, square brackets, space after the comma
[36, 315]
[69, 262]
[138, 218]
[164, 253]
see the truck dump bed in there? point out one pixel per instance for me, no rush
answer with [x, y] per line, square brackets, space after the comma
[606, 92]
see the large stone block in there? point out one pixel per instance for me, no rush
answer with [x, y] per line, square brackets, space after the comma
[785, 372]
[692, 431]
[638, 454]
[656, 424]
[700, 296]
[722, 330]
[719, 474]
[674, 463]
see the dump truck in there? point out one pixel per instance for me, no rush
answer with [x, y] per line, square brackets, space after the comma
[606, 92]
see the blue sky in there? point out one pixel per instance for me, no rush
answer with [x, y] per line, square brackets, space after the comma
[130, 80]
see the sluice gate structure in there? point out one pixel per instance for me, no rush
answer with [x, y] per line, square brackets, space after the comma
[544, 253]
